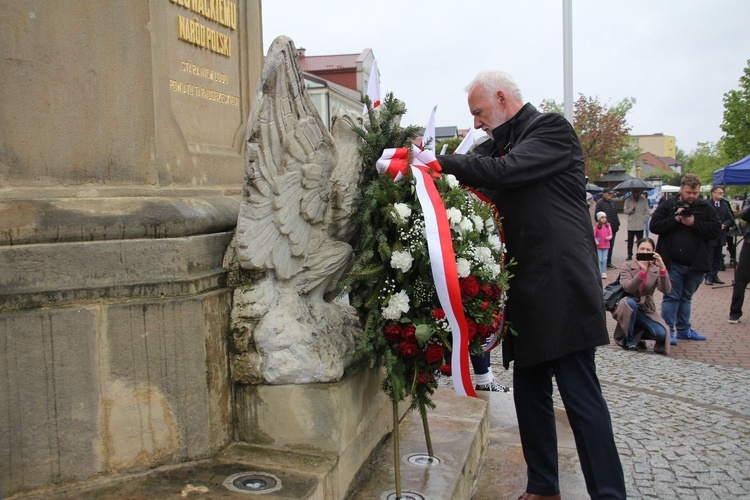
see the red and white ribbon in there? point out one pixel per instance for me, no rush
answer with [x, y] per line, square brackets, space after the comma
[442, 256]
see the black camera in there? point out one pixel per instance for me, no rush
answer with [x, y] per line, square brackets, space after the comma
[644, 256]
[682, 209]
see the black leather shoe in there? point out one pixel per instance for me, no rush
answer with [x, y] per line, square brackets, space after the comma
[709, 281]
[718, 281]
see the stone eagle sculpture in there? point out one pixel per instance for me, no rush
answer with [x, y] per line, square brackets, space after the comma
[294, 218]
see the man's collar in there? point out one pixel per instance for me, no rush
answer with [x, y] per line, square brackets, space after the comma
[503, 134]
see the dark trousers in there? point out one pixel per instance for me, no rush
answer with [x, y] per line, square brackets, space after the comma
[715, 256]
[611, 247]
[589, 418]
[633, 236]
[732, 249]
[480, 363]
[741, 279]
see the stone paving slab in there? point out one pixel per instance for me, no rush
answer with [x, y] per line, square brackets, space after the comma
[682, 423]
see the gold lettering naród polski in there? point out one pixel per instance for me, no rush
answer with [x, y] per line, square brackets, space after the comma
[192, 31]
[223, 12]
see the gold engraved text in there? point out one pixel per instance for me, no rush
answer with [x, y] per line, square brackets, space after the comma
[203, 93]
[223, 12]
[204, 72]
[192, 31]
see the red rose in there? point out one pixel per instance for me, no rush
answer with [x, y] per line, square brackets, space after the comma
[424, 378]
[471, 327]
[434, 353]
[483, 329]
[469, 287]
[446, 370]
[407, 349]
[488, 291]
[438, 313]
[408, 333]
[392, 332]
[485, 305]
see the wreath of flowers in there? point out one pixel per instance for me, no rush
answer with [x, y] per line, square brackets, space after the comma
[391, 284]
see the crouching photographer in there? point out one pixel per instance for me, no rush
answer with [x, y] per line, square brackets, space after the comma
[685, 225]
[636, 314]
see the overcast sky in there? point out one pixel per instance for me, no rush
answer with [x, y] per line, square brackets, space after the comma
[677, 58]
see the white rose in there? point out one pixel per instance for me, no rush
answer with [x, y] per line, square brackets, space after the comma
[463, 267]
[494, 242]
[465, 225]
[495, 270]
[454, 216]
[398, 304]
[452, 181]
[478, 223]
[401, 260]
[483, 256]
[403, 211]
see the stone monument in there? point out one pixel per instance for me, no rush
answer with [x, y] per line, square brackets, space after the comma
[122, 151]
[122, 131]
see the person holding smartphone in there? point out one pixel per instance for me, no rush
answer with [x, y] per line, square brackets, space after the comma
[637, 317]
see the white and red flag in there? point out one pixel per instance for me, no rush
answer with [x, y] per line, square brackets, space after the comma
[373, 87]
[466, 144]
[428, 138]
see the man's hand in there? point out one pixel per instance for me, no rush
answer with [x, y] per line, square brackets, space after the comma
[688, 221]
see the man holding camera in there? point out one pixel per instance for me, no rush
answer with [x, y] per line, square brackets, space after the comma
[685, 225]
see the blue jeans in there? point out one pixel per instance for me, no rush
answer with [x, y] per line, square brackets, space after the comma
[652, 330]
[602, 254]
[675, 307]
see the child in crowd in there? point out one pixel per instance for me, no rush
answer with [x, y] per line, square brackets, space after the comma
[602, 236]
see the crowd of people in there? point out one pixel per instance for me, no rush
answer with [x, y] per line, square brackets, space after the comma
[691, 235]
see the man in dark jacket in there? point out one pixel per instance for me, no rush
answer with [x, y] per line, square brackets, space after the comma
[533, 168]
[685, 224]
[716, 246]
[741, 276]
[606, 205]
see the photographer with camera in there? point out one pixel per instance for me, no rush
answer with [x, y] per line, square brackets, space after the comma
[636, 314]
[685, 225]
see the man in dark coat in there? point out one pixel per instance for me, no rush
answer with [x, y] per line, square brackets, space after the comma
[716, 246]
[741, 276]
[606, 205]
[685, 224]
[533, 168]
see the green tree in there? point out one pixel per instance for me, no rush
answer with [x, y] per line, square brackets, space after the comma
[703, 160]
[452, 143]
[603, 131]
[736, 126]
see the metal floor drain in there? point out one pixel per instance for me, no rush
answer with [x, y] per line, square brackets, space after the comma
[405, 495]
[423, 460]
[252, 482]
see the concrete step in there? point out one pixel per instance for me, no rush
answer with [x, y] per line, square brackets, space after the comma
[459, 431]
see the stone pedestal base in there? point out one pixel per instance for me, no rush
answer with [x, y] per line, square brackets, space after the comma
[327, 431]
